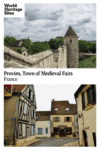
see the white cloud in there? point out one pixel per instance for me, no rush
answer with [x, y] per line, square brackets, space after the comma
[46, 21]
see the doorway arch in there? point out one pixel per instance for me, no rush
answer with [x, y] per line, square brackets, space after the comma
[85, 138]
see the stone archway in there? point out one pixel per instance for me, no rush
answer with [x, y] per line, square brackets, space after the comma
[85, 138]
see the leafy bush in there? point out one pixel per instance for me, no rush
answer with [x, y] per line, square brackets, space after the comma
[85, 46]
[19, 50]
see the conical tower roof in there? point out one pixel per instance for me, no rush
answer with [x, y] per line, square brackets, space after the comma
[70, 32]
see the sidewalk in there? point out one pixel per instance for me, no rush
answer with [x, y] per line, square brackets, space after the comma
[25, 144]
[72, 144]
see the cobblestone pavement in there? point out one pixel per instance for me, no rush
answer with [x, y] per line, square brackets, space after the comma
[51, 142]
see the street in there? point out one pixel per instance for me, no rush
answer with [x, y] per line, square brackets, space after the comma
[51, 142]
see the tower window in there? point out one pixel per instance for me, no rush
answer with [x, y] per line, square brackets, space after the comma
[70, 40]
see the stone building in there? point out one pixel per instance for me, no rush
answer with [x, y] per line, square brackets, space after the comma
[19, 113]
[86, 107]
[71, 40]
[18, 44]
[63, 116]
[42, 128]
[66, 56]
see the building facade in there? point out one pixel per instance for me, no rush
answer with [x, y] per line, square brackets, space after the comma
[63, 119]
[86, 106]
[43, 124]
[19, 112]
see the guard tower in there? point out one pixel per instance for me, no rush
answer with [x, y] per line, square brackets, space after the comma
[71, 40]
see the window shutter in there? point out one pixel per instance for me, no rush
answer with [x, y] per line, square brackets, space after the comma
[83, 101]
[59, 119]
[64, 119]
[71, 119]
[36, 130]
[20, 128]
[93, 94]
[34, 114]
[43, 131]
[53, 119]
[34, 100]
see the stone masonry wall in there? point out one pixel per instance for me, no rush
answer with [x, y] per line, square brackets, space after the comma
[72, 51]
[46, 59]
[85, 55]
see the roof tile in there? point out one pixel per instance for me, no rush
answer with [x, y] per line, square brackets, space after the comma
[62, 105]
[70, 32]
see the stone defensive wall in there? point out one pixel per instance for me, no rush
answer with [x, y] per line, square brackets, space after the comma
[85, 55]
[47, 59]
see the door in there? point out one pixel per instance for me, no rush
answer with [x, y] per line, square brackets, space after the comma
[85, 138]
[62, 132]
[94, 138]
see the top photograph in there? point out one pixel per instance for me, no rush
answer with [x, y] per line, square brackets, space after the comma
[57, 35]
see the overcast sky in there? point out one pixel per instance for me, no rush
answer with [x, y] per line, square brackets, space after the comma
[46, 93]
[45, 21]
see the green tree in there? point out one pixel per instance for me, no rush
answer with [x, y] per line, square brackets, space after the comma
[27, 44]
[8, 39]
[19, 50]
[93, 47]
[83, 46]
[37, 47]
[54, 43]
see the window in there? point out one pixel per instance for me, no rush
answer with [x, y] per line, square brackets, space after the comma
[32, 130]
[69, 130]
[23, 130]
[28, 113]
[56, 108]
[56, 118]
[83, 101]
[33, 98]
[70, 40]
[29, 94]
[25, 108]
[20, 129]
[33, 113]
[67, 108]
[91, 95]
[20, 109]
[68, 119]
[39, 130]
[46, 130]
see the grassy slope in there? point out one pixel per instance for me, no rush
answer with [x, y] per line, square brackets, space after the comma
[89, 62]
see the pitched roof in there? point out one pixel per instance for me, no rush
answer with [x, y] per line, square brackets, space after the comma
[43, 115]
[62, 105]
[70, 32]
[18, 88]
[14, 44]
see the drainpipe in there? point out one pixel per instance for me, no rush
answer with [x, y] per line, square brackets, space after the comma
[50, 125]
[14, 136]
[74, 125]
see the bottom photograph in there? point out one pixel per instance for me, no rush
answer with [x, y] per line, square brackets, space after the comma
[50, 115]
